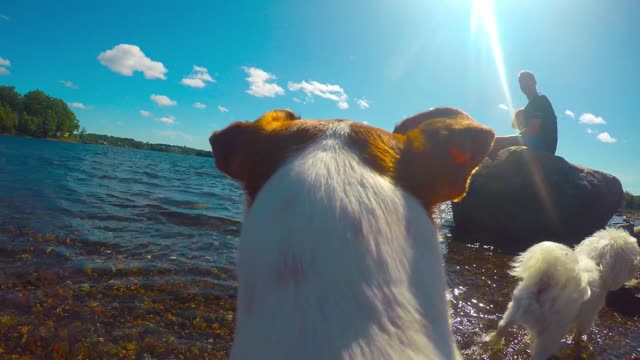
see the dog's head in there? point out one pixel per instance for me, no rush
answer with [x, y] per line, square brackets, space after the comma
[431, 155]
[616, 252]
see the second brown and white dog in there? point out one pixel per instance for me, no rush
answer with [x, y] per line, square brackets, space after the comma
[338, 254]
[562, 289]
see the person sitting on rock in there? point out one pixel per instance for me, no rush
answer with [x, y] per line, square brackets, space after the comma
[536, 123]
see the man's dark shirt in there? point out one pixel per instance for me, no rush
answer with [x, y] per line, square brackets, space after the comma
[540, 107]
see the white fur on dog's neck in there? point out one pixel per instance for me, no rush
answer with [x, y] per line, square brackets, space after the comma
[336, 262]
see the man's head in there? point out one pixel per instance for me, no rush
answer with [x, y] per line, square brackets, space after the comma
[527, 82]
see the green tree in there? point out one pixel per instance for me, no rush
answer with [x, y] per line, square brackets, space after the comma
[9, 96]
[49, 124]
[8, 120]
[35, 103]
[40, 114]
[27, 124]
[82, 133]
[630, 202]
[66, 121]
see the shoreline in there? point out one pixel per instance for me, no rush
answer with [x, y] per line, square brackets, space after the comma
[153, 146]
[635, 217]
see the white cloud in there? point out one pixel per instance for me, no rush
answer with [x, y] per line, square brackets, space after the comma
[296, 100]
[363, 103]
[197, 77]
[591, 119]
[125, 59]
[199, 105]
[82, 106]
[196, 83]
[570, 114]
[259, 85]
[3, 69]
[173, 134]
[162, 100]
[222, 109]
[69, 84]
[145, 113]
[606, 138]
[326, 91]
[169, 120]
[503, 107]
[589, 131]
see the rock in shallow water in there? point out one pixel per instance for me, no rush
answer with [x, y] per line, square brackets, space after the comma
[522, 197]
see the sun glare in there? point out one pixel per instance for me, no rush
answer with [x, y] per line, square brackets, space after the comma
[482, 14]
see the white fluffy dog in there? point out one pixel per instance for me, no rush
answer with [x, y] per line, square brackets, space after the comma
[338, 255]
[561, 288]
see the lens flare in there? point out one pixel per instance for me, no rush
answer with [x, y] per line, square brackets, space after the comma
[483, 14]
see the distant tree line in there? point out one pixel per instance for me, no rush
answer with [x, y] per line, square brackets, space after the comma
[630, 202]
[35, 114]
[135, 144]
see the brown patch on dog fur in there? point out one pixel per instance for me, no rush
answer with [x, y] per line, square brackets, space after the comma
[431, 155]
[377, 148]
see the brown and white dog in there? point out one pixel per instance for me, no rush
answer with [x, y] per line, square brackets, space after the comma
[338, 255]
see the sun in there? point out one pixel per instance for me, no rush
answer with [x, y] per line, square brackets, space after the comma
[483, 15]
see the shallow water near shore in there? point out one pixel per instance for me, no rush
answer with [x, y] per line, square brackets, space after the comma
[111, 253]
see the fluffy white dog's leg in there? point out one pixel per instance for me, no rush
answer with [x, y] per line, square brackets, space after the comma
[496, 337]
[588, 314]
[548, 342]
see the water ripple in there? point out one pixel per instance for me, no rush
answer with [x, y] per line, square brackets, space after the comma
[119, 197]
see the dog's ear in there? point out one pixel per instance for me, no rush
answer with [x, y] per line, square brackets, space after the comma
[250, 152]
[229, 148]
[443, 147]
[234, 148]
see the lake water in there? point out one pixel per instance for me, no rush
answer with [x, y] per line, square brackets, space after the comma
[115, 253]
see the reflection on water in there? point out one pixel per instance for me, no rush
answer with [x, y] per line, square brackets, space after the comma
[117, 253]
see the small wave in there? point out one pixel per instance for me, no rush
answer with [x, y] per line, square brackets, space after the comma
[105, 217]
[218, 224]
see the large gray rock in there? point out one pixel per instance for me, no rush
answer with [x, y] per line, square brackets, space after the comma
[522, 197]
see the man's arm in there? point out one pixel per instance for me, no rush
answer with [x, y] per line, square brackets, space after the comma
[518, 120]
[533, 126]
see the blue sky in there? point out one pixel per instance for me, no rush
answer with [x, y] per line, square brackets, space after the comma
[366, 60]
